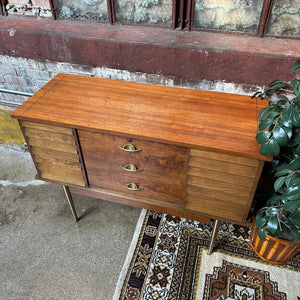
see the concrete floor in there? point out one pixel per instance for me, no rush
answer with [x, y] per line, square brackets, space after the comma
[44, 254]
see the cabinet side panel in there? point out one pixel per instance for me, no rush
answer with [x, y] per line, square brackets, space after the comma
[54, 152]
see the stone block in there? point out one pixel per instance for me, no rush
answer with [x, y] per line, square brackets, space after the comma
[11, 79]
[7, 69]
[144, 12]
[34, 74]
[228, 15]
[35, 64]
[285, 19]
[41, 3]
[38, 8]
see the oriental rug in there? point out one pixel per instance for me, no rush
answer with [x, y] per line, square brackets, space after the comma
[168, 260]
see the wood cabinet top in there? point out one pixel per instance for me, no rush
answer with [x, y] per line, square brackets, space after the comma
[186, 117]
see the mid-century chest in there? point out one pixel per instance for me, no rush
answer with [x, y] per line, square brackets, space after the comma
[179, 151]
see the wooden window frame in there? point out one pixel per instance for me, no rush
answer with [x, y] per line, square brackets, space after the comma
[2, 8]
[264, 17]
[183, 15]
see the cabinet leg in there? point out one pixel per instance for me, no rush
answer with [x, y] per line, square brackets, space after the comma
[213, 236]
[70, 201]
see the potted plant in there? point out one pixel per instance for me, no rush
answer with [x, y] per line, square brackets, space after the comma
[275, 235]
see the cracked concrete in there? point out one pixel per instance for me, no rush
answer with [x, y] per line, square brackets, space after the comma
[44, 254]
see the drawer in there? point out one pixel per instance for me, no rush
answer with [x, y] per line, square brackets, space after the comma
[160, 169]
[54, 152]
[221, 185]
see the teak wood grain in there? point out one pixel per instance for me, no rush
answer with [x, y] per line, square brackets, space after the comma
[162, 168]
[54, 152]
[47, 127]
[185, 117]
[221, 184]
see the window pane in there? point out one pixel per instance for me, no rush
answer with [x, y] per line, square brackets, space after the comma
[151, 12]
[228, 15]
[285, 19]
[82, 9]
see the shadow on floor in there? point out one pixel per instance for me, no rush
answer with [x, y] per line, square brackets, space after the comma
[44, 253]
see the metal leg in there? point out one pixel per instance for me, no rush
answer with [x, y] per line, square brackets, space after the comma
[213, 236]
[70, 201]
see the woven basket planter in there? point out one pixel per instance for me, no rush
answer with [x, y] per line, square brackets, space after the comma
[273, 250]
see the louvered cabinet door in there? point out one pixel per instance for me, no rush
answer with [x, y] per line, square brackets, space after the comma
[221, 185]
[54, 153]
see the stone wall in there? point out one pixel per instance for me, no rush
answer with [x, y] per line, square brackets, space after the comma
[152, 12]
[228, 15]
[37, 8]
[82, 9]
[285, 19]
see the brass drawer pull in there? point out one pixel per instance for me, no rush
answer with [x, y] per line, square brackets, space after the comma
[132, 186]
[130, 148]
[131, 168]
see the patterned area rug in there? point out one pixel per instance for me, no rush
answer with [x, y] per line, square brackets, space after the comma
[168, 260]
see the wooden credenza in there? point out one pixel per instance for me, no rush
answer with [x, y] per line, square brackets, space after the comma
[180, 151]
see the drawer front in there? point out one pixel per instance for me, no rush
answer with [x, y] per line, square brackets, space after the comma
[158, 170]
[221, 185]
[54, 152]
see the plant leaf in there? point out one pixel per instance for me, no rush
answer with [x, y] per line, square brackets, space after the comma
[261, 95]
[278, 83]
[279, 183]
[296, 66]
[274, 200]
[263, 136]
[292, 181]
[291, 206]
[270, 92]
[297, 101]
[297, 151]
[264, 124]
[282, 170]
[295, 234]
[280, 135]
[273, 224]
[285, 118]
[294, 164]
[260, 221]
[289, 132]
[262, 234]
[283, 98]
[265, 149]
[295, 84]
[264, 112]
[295, 116]
[292, 193]
[295, 217]
[292, 190]
[274, 147]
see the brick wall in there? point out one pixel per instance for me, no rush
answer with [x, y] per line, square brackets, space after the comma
[29, 75]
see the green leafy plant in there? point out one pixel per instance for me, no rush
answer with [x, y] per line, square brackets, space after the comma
[279, 136]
